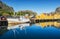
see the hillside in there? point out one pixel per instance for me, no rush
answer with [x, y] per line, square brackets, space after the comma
[5, 8]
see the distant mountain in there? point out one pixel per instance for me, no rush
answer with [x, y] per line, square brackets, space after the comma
[5, 7]
[58, 9]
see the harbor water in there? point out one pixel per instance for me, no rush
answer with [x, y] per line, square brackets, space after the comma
[33, 31]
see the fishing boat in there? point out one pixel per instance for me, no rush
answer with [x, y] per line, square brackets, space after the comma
[21, 19]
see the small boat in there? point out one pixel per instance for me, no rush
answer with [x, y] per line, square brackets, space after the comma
[22, 19]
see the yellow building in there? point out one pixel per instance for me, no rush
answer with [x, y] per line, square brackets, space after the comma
[48, 16]
[41, 16]
[45, 16]
[57, 16]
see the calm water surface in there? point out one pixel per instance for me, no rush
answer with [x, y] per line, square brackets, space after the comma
[31, 32]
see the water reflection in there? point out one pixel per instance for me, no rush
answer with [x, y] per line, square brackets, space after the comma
[28, 31]
[2, 31]
[21, 26]
[46, 24]
[13, 28]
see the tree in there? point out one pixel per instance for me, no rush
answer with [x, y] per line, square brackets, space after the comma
[22, 13]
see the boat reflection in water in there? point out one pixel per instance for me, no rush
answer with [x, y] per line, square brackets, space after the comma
[21, 26]
[33, 31]
[47, 24]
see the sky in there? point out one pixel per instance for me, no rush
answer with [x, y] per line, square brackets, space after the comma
[39, 6]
